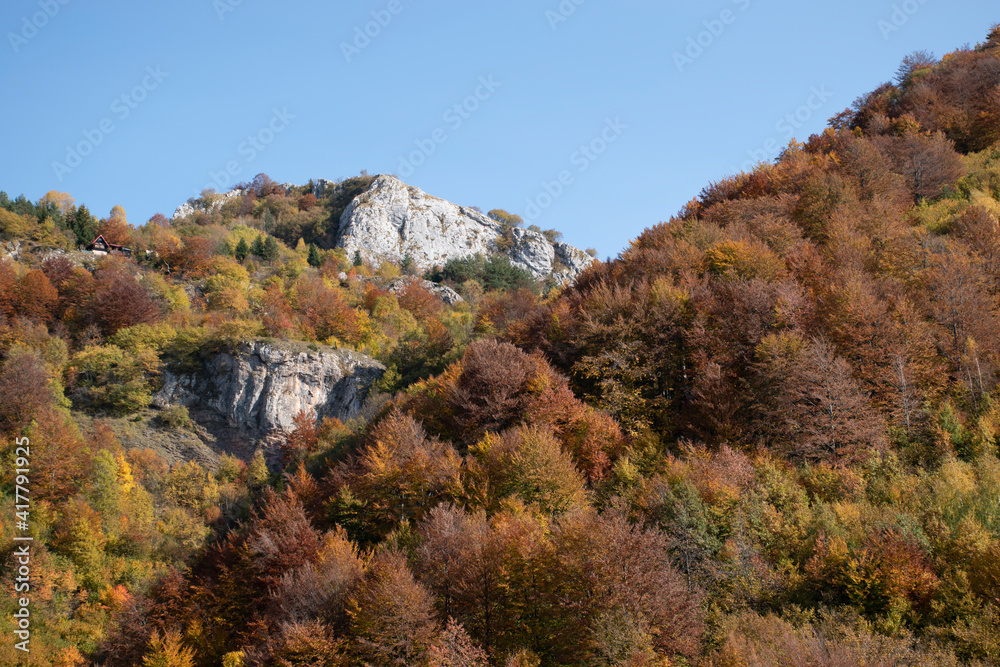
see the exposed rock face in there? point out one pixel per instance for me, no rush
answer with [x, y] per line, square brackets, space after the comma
[391, 220]
[449, 296]
[257, 390]
[11, 249]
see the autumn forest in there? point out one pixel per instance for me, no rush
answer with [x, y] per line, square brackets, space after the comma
[767, 433]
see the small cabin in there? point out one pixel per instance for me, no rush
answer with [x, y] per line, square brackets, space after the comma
[100, 246]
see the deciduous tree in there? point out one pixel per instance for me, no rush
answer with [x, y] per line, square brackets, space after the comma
[391, 615]
[36, 297]
[817, 412]
[24, 390]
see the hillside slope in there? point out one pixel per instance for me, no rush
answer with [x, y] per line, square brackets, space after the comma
[768, 433]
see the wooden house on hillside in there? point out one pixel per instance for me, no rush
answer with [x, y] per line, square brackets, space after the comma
[100, 246]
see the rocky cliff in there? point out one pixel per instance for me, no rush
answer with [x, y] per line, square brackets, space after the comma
[391, 220]
[255, 391]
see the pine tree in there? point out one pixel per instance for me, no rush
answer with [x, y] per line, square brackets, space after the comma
[314, 258]
[358, 261]
[271, 250]
[84, 225]
[257, 248]
[268, 220]
[242, 250]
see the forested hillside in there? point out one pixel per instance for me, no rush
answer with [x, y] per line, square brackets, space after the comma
[765, 434]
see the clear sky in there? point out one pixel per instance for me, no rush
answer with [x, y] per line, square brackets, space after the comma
[144, 104]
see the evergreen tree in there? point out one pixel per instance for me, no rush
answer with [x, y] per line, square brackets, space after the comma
[314, 258]
[22, 206]
[357, 258]
[258, 247]
[242, 250]
[84, 225]
[271, 250]
[268, 220]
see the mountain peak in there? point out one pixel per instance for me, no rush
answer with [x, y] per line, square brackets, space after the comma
[392, 220]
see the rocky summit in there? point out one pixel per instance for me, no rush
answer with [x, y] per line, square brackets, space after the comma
[392, 220]
[389, 220]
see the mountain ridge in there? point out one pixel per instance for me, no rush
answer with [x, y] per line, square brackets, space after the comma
[392, 221]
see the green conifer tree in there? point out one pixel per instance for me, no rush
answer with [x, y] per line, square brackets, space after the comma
[242, 250]
[314, 258]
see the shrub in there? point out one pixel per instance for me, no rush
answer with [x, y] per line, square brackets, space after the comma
[176, 417]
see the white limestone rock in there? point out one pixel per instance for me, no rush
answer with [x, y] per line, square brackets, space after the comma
[391, 220]
[258, 388]
[11, 249]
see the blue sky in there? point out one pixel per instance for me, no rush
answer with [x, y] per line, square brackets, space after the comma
[595, 118]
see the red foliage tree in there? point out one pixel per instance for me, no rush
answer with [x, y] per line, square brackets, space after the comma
[817, 412]
[196, 255]
[120, 301]
[36, 297]
[276, 313]
[159, 220]
[491, 390]
[303, 438]
[454, 648]
[417, 299]
[115, 229]
[325, 311]
[279, 539]
[57, 269]
[24, 390]
[60, 460]
[928, 162]
[76, 294]
[8, 279]
[391, 614]
[307, 201]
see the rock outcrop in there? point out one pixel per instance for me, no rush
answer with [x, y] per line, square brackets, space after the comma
[447, 295]
[11, 249]
[255, 391]
[217, 202]
[391, 220]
